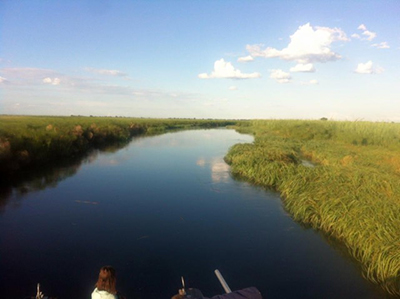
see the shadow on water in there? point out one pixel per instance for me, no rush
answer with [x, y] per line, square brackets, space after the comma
[16, 185]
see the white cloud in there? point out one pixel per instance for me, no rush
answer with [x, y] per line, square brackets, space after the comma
[364, 68]
[54, 81]
[3, 80]
[233, 88]
[245, 59]
[115, 73]
[355, 35]
[362, 27]
[382, 45]
[223, 69]
[305, 68]
[370, 35]
[306, 45]
[280, 76]
[367, 68]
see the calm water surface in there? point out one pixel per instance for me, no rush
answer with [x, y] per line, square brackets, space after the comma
[161, 208]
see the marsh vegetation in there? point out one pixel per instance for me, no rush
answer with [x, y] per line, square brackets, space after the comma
[352, 193]
[27, 141]
[341, 178]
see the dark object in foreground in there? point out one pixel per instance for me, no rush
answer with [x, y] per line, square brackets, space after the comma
[247, 293]
[39, 294]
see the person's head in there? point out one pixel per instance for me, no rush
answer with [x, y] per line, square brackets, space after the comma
[107, 280]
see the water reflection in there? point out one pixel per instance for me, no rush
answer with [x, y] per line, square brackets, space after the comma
[158, 209]
[201, 162]
[218, 168]
[14, 188]
[219, 171]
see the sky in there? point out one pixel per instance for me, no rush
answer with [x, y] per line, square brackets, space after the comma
[202, 59]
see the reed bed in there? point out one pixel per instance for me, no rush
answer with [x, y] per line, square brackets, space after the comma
[28, 141]
[351, 194]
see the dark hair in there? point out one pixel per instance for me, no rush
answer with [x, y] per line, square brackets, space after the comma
[107, 280]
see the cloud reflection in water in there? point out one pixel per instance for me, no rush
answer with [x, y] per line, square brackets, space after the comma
[218, 168]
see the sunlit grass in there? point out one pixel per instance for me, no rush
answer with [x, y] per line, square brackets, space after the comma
[352, 193]
[32, 140]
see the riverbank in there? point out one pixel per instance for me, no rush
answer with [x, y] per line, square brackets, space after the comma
[29, 141]
[350, 190]
[145, 199]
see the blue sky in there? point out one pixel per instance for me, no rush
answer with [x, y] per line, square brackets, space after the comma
[203, 59]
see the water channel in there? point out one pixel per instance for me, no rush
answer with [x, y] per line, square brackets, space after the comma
[157, 209]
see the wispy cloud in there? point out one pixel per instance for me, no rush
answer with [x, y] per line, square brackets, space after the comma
[115, 73]
[306, 45]
[369, 34]
[233, 88]
[382, 45]
[280, 76]
[34, 78]
[368, 68]
[224, 69]
[248, 58]
[311, 82]
[27, 74]
[93, 104]
[52, 81]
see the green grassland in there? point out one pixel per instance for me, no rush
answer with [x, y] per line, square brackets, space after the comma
[28, 141]
[350, 190]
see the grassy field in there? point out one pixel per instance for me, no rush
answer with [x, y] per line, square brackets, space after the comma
[27, 141]
[350, 190]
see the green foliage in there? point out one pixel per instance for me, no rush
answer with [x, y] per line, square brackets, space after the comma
[33, 140]
[352, 193]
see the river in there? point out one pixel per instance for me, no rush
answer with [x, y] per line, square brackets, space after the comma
[157, 209]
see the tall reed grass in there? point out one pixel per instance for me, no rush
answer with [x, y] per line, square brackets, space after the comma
[352, 193]
[26, 141]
